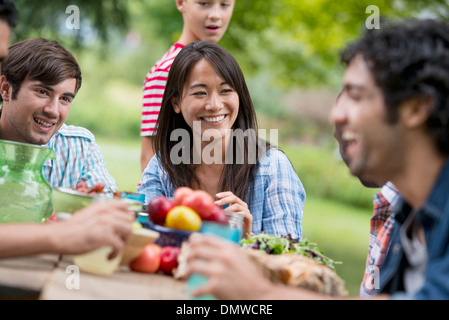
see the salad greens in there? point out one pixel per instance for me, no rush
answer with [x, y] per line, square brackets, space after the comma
[272, 244]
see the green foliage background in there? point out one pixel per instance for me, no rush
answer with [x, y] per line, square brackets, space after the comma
[282, 46]
[295, 41]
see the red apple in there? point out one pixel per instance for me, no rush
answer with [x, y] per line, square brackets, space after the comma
[148, 261]
[218, 215]
[82, 187]
[169, 259]
[180, 194]
[157, 209]
[98, 187]
[201, 202]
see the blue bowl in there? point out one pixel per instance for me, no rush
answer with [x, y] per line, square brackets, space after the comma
[168, 236]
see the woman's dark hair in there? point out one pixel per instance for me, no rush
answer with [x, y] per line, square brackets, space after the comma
[236, 177]
[41, 60]
[410, 59]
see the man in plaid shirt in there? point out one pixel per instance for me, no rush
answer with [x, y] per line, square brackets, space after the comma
[381, 225]
[395, 125]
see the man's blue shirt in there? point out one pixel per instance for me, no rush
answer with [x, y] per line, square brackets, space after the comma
[433, 217]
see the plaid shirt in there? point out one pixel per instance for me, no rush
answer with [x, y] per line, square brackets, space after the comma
[381, 226]
[275, 200]
[78, 158]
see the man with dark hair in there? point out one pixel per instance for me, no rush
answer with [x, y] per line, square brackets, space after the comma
[98, 225]
[39, 80]
[395, 126]
[382, 221]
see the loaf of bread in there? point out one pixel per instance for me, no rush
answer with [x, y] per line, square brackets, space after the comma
[288, 268]
[295, 270]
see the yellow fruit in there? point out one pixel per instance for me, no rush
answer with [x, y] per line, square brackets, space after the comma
[183, 218]
[136, 226]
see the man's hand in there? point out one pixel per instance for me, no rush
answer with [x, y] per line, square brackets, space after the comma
[230, 272]
[97, 225]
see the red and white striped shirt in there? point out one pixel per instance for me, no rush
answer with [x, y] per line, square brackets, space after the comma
[153, 90]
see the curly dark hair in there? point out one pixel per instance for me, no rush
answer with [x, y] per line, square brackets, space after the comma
[410, 59]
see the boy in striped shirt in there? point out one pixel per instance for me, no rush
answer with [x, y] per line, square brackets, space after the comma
[203, 20]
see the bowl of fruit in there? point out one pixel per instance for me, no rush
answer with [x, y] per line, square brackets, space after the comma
[175, 220]
[167, 236]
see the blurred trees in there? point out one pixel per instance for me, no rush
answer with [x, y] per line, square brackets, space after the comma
[47, 18]
[299, 40]
[296, 42]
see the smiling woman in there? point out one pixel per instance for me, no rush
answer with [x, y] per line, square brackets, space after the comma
[206, 98]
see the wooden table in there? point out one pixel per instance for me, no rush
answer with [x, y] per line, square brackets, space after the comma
[50, 277]
[24, 278]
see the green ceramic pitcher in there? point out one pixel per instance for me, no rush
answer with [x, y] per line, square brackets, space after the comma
[25, 195]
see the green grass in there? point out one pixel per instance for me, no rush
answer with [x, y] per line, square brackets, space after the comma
[342, 232]
[339, 229]
[122, 161]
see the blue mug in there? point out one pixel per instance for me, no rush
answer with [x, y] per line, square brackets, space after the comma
[223, 231]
